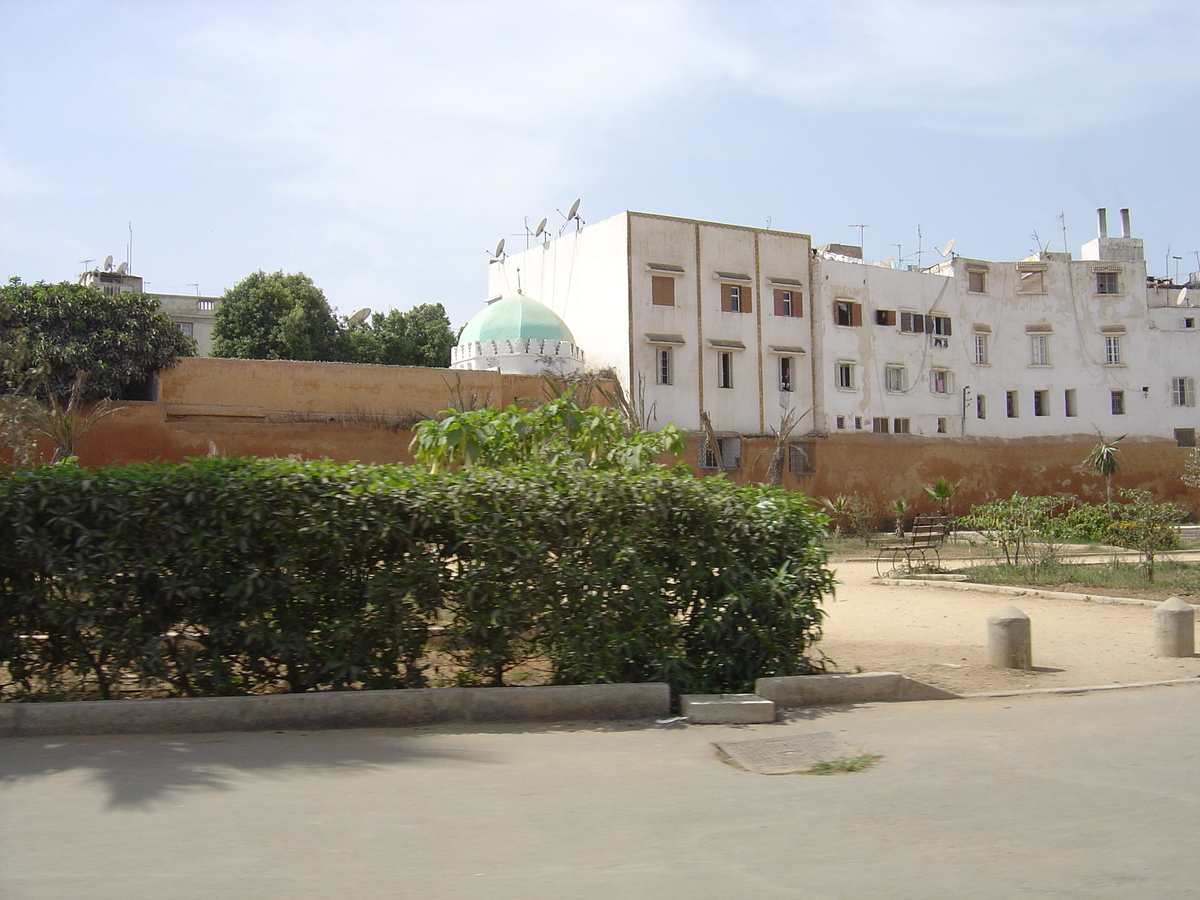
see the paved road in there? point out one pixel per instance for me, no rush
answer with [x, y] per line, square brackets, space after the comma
[1089, 796]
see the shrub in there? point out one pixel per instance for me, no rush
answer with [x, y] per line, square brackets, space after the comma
[230, 576]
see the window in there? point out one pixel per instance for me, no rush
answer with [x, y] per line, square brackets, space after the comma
[897, 379]
[789, 303]
[941, 325]
[981, 407]
[847, 313]
[665, 366]
[841, 421]
[1185, 437]
[1183, 391]
[1014, 409]
[977, 281]
[879, 425]
[785, 373]
[662, 291]
[941, 381]
[1117, 399]
[858, 423]
[885, 317]
[1041, 403]
[1039, 345]
[206, 304]
[1107, 283]
[724, 370]
[845, 376]
[800, 459]
[1112, 350]
[1189, 322]
[912, 323]
[735, 298]
[185, 327]
[1070, 407]
[730, 449]
[1031, 281]
[899, 426]
[981, 349]
[941, 425]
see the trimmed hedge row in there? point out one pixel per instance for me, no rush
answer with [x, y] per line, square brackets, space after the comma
[228, 576]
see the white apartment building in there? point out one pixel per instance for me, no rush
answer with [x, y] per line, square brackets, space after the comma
[745, 324]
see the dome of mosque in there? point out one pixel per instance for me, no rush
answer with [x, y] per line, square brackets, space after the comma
[515, 318]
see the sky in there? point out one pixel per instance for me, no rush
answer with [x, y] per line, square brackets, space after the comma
[383, 148]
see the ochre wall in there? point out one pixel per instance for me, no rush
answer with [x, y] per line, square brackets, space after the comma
[347, 413]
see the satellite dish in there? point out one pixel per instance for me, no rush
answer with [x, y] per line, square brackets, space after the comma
[949, 247]
[573, 210]
[499, 249]
[122, 268]
[1181, 300]
[108, 263]
[890, 262]
[361, 316]
[541, 227]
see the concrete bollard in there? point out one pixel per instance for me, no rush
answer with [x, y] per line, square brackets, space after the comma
[1174, 629]
[1009, 643]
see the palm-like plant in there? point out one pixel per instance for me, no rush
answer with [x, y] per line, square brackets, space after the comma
[839, 511]
[941, 492]
[900, 510]
[1105, 459]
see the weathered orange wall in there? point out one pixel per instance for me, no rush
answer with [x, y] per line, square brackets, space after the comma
[347, 413]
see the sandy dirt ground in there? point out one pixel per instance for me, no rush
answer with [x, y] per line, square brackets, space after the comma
[938, 635]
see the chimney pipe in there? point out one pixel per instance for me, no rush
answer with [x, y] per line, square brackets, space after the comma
[1102, 221]
[1125, 223]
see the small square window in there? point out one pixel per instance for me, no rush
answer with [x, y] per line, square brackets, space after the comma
[911, 323]
[976, 281]
[1189, 322]
[940, 381]
[899, 426]
[730, 449]
[1117, 399]
[897, 379]
[847, 313]
[858, 423]
[841, 421]
[1041, 403]
[1031, 282]
[1185, 437]
[885, 317]
[1039, 345]
[735, 298]
[662, 289]
[1013, 404]
[879, 425]
[1183, 391]
[845, 376]
[185, 327]
[789, 303]
[1107, 283]
[941, 425]
[1070, 405]
[800, 459]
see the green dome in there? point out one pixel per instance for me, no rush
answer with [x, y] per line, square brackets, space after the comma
[514, 318]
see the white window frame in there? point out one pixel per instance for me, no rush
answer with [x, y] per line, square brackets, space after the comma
[787, 373]
[666, 365]
[981, 350]
[1183, 391]
[896, 379]
[845, 375]
[1112, 350]
[1108, 283]
[1039, 349]
[725, 370]
[1116, 400]
[941, 381]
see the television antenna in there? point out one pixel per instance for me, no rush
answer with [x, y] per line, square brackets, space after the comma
[571, 214]
[497, 254]
[85, 263]
[861, 229]
[359, 317]
[108, 263]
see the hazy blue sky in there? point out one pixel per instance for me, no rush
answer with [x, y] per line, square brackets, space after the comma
[383, 147]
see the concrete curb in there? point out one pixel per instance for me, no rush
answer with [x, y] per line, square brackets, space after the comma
[832, 690]
[1020, 591]
[1080, 690]
[340, 709]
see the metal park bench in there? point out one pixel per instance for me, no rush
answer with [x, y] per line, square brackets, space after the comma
[918, 550]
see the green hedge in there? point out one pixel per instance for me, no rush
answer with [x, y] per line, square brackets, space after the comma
[229, 576]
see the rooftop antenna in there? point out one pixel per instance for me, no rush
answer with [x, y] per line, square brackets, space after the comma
[1063, 218]
[129, 250]
[1177, 259]
[899, 254]
[768, 223]
[518, 279]
[498, 253]
[108, 263]
[196, 286]
[860, 228]
[86, 263]
[572, 213]
[359, 317]
[919, 245]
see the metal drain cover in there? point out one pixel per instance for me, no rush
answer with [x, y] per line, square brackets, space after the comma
[785, 756]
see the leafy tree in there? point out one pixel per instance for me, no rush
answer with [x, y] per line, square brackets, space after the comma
[559, 434]
[117, 340]
[276, 316]
[420, 336]
[1142, 524]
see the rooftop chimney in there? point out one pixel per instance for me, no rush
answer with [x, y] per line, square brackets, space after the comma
[1125, 224]
[1102, 221]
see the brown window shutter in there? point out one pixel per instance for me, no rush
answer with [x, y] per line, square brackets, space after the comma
[797, 304]
[662, 290]
[856, 314]
[747, 298]
[726, 298]
[779, 302]
[919, 323]
[948, 332]
[929, 324]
